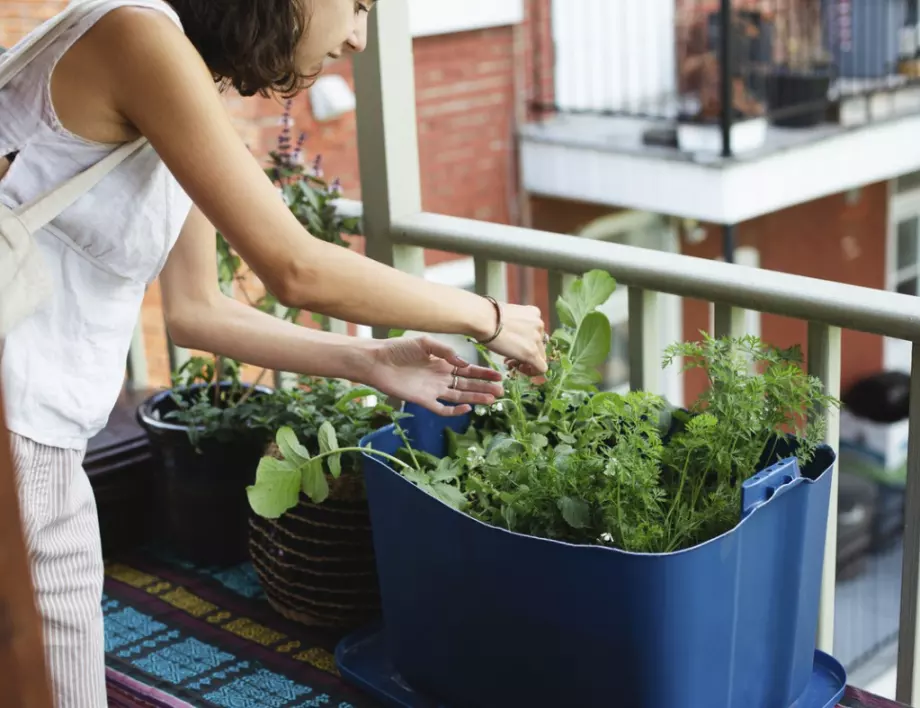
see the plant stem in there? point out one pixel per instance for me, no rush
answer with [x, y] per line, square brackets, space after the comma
[218, 375]
[251, 389]
[368, 450]
[409, 448]
[680, 489]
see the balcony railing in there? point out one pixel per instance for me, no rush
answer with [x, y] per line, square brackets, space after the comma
[790, 63]
[398, 231]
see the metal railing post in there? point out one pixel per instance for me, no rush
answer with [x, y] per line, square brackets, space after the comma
[644, 345]
[908, 684]
[729, 321]
[824, 349]
[725, 70]
[387, 135]
[492, 278]
[555, 288]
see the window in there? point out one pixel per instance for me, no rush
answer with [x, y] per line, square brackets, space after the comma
[907, 266]
[903, 258]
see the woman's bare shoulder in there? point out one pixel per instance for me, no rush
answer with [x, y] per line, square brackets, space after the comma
[119, 50]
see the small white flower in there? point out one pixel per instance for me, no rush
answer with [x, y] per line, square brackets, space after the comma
[480, 410]
[497, 407]
[606, 537]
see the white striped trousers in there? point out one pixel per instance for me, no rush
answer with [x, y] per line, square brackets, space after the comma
[65, 551]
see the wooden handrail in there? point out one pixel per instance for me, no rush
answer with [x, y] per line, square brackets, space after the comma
[23, 676]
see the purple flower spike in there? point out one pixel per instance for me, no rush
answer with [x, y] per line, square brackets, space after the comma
[318, 166]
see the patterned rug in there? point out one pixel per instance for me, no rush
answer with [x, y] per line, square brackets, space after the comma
[178, 636]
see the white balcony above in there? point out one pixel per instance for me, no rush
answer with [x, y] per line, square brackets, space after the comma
[603, 159]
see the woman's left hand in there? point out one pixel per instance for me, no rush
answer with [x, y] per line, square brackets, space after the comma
[425, 371]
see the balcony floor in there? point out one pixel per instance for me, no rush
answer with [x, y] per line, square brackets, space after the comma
[625, 135]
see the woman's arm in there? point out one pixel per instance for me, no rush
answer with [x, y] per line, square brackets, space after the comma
[200, 316]
[161, 86]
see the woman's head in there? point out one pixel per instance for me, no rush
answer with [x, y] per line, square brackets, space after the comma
[263, 46]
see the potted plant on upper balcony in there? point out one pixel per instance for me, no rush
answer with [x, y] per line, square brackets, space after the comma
[310, 539]
[699, 128]
[210, 429]
[568, 545]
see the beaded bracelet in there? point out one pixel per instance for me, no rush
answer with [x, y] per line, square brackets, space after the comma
[499, 325]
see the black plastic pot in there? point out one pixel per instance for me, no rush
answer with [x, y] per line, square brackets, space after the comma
[201, 506]
[798, 99]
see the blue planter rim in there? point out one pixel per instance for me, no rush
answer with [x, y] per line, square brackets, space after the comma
[368, 441]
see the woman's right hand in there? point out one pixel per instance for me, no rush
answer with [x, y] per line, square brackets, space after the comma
[522, 341]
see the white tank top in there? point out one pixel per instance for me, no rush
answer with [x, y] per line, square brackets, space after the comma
[64, 366]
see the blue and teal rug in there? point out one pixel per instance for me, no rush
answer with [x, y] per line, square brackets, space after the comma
[177, 635]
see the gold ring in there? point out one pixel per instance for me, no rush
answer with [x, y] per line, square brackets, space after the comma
[455, 382]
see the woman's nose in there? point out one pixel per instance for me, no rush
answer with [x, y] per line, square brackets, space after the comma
[358, 40]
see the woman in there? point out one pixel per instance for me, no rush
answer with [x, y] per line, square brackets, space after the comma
[145, 67]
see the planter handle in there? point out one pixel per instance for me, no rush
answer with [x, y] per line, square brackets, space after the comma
[768, 484]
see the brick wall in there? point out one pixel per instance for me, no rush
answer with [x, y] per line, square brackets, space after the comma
[837, 238]
[466, 104]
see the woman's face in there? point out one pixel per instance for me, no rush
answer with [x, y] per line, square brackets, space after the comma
[336, 27]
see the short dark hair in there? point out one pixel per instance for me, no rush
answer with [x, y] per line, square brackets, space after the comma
[250, 45]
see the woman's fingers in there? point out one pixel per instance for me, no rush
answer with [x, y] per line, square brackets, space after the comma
[476, 386]
[443, 351]
[453, 411]
[474, 398]
[482, 373]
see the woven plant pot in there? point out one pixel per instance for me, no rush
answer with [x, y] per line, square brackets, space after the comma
[316, 563]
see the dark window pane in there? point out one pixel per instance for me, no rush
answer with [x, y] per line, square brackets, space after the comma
[907, 243]
[908, 287]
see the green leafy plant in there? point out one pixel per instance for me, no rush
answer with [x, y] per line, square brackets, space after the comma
[557, 458]
[212, 401]
[319, 426]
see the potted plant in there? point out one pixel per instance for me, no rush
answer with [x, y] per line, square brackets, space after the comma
[569, 545]
[206, 447]
[699, 118]
[310, 539]
[209, 431]
[798, 88]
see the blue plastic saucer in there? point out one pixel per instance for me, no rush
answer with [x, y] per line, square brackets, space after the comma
[362, 660]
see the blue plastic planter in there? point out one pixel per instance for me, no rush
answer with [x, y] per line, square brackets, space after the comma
[477, 615]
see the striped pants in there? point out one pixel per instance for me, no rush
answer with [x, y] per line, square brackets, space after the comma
[65, 551]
